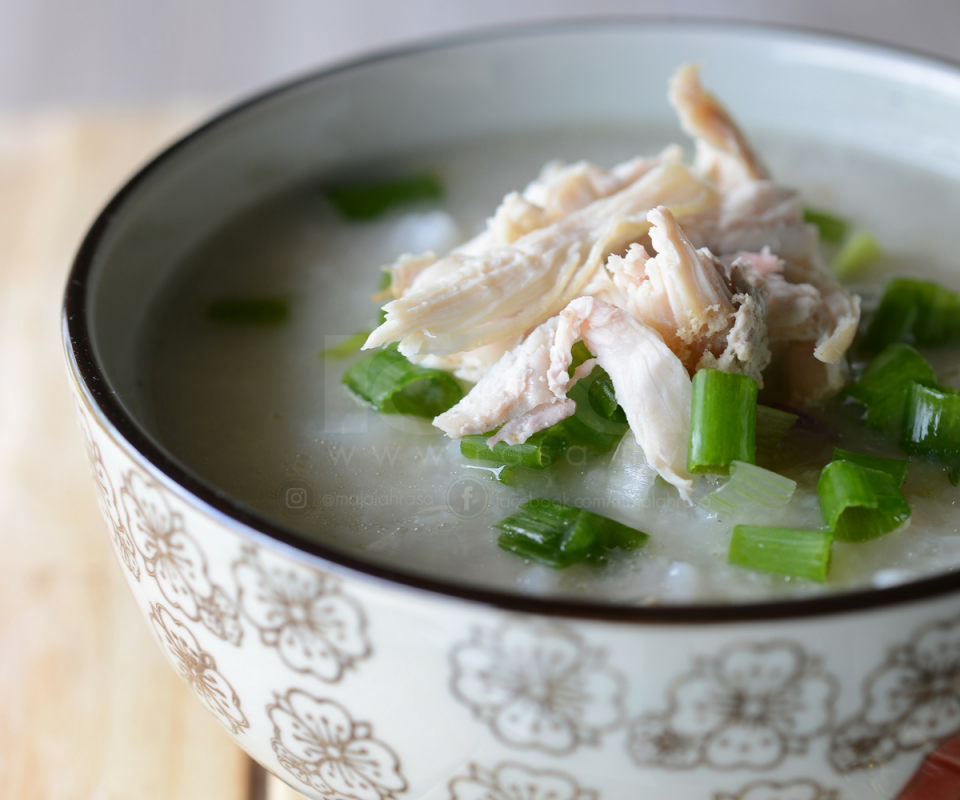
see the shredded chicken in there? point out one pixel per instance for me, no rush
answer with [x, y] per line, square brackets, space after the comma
[723, 154]
[650, 383]
[660, 269]
[560, 190]
[482, 299]
[705, 316]
[515, 385]
[470, 365]
[761, 215]
[792, 308]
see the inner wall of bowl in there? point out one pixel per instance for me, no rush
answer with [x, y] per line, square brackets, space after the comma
[812, 86]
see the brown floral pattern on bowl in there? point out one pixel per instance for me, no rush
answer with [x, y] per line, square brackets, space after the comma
[314, 626]
[107, 497]
[198, 669]
[910, 702]
[320, 745]
[538, 686]
[512, 781]
[750, 707]
[173, 559]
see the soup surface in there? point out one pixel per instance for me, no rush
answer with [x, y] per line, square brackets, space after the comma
[254, 409]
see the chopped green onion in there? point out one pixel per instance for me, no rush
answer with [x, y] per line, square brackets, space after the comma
[363, 201]
[857, 253]
[858, 503]
[832, 229]
[883, 386]
[584, 428]
[603, 398]
[578, 355]
[896, 467]
[773, 425]
[262, 311]
[587, 428]
[723, 424]
[610, 534]
[538, 452]
[393, 385]
[784, 551]
[918, 312]
[558, 535]
[591, 424]
[350, 345]
[749, 486]
[542, 530]
[931, 424]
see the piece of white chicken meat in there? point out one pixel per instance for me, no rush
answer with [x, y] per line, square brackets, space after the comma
[723, 154]
[709, 316]
[559, 190]
[682, 301]
[813, 318]
[755, 214]
[651, 384]
[513, 388]
[511, 289]
[527, 389]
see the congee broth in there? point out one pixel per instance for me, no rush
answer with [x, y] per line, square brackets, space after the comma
[257, 408]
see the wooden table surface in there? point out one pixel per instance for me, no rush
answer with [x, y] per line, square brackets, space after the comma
[89, 709]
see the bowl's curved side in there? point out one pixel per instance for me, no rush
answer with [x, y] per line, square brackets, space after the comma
[352, 688]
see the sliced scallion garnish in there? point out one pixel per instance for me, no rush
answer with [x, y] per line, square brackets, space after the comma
[578, 355]
[858, 503]
[917, 312]
[362, 201]
[883, 386]
[585, 428]
[749, 486]
[253, 311]
[538, 452]
[594, 424]
[603, 398]
[831, 227]
[784, 551]
[896, 467]
[558, 535]
[723, 423]
[773, 425]
[857, 253]
[393, 385]
[931, 425]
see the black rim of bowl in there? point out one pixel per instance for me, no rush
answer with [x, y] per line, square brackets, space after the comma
[191, 489]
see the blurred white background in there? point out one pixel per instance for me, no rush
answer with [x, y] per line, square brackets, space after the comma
[108, 53]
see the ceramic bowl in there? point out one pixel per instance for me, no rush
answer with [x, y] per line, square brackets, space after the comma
[349, 680]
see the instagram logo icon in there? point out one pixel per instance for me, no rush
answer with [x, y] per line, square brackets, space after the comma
[295, 497]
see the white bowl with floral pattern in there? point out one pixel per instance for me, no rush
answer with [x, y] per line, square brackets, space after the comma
[349, 680]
